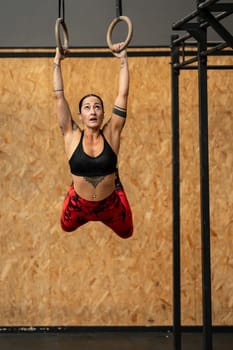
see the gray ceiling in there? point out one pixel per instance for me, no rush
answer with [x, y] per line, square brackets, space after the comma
[30, 23]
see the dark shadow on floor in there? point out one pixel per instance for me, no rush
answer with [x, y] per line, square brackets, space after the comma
[109, 341]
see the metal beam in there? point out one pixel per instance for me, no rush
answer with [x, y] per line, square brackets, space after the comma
[178, 25]
[204, 191]
[223, 7]
[176, 199]
[218, 27]
[206, 3]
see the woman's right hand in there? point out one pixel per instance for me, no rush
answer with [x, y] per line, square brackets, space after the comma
[59, 56]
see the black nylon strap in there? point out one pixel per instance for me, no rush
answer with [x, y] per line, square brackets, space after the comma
[118, 8]
[61, 9]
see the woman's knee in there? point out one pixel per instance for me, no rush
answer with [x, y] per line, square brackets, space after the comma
[125, 233]
[67, 228]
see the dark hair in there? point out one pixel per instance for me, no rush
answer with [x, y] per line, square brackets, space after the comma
[89, 95]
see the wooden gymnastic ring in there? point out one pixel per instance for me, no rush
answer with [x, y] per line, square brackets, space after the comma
[60, 24]
[110, 29]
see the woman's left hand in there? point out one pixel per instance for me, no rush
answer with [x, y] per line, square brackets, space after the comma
[116, 50]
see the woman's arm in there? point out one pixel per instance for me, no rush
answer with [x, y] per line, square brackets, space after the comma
[63, 111]
[112, 129]
[120, 105]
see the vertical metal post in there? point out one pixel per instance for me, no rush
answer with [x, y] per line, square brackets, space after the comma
[204, 189]
[176, 196]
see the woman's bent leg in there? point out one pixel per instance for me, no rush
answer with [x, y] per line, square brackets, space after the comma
[118, 215]
[72, 215]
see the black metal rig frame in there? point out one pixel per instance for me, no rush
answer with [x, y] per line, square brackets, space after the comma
[208, 13]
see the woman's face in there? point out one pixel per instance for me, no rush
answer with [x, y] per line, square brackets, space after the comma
[92, 113]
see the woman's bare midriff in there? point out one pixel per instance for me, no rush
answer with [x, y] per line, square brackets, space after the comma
[87, 191]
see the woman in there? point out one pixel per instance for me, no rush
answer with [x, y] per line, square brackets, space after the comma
[96, 193]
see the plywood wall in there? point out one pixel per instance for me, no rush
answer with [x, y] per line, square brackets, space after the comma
[92, 277]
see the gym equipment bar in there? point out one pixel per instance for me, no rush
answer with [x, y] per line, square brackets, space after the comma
[197, 30]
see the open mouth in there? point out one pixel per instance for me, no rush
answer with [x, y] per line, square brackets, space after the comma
[93, 119]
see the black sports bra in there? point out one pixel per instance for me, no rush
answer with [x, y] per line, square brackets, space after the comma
[81, 164]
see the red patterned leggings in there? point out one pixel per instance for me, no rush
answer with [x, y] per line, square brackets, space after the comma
[114, 211]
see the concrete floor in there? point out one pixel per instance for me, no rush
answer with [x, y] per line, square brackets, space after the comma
[109, 341]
